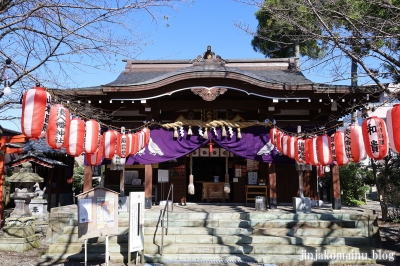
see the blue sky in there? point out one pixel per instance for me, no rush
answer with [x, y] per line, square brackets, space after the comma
[186, 34]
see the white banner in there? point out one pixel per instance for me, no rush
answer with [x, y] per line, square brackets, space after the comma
[136, 221]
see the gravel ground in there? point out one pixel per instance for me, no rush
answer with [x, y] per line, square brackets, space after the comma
[389, 232]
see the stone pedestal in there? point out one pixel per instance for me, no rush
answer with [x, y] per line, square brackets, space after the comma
[21, 208]
[38, 207]
[301, 205]
[18, 234]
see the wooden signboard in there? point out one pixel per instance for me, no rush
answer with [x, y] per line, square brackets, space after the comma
[97, 213]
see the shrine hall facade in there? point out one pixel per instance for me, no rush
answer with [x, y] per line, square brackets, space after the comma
[210, 117]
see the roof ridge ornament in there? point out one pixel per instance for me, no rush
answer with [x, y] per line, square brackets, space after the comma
[209, 57]
[208, 94]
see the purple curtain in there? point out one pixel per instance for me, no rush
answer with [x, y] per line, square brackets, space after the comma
[254, 144]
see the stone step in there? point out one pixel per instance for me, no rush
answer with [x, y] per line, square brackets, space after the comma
[244, 259]
[207, 248]
[71, 230]
[253, 249]
[319, 232]
[226, 239]
[253, 223]
[270, 215]
[250, 240]
[91, 257]
[72, 248]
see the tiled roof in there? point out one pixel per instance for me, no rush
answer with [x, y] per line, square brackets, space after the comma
[36, 158]
[271, 76]
[40, 147]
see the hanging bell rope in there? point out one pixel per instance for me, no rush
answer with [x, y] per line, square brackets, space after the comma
[227, 187]
[191, 185]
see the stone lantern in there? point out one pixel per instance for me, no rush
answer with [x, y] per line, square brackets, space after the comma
[28, 200]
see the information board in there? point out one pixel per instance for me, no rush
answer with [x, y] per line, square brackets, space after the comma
[163, 176]
[136, 221]
[85, 210]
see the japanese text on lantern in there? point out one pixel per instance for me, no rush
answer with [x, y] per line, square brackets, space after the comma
[347, 142]
[333, 148]
[60, 124]
[123, 146]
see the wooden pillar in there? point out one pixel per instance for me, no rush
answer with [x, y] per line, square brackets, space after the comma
[87, 178]
[336, 195]
[122, 183]
[49, 188]
[301, 183]
[148, 185]
[59, 182]
[273, 202]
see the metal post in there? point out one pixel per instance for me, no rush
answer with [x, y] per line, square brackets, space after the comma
[172, 198]
[166, 229]
[85, 252]
[107, 252]
[162, 233]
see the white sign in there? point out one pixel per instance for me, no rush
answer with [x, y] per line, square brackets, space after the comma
[252, 176]
[85, 210]
[136, 221]
[105, 212]
[163, 176]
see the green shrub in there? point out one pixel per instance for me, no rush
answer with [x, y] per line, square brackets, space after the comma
[355, 203]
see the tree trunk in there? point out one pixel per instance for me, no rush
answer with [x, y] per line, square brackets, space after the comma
[297, 54]
[353, 73]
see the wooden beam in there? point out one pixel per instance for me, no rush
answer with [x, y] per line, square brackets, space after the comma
[273, 202]
[87, 178]
[336, 195]
[148, 185]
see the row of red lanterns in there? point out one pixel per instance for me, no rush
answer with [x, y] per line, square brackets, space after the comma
[40, 119]
[372, 138]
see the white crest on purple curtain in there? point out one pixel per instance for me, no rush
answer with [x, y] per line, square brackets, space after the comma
[266, 149]
[154, 149]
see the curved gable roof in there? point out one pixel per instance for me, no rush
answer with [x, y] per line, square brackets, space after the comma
[149, 76]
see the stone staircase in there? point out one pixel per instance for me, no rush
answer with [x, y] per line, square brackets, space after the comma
[275, 237]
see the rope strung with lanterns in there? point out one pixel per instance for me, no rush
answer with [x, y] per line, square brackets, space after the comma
[41, 119]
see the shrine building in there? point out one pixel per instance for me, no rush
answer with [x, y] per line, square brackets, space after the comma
[210, 120]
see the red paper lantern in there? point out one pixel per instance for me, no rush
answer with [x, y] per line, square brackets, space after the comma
[299, 154]
[375, 137]
[92, 136]
[75, 137]
[312, 151]
[95, 158]
[146, 137]
[324, 149]
[354, 144]
[321, 170]
[140, 140]
[124, 145]
[134, 144]
[35, 112]
[291, 146]
[272, 135]
[307, 151]
[339, 156]
[110, 140]
[285, 144]
[393, 127]
[129, 147]
[58, 125]
[279, 136]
